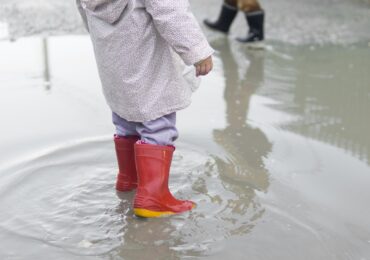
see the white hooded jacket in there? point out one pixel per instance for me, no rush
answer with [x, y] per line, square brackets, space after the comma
[137, 44]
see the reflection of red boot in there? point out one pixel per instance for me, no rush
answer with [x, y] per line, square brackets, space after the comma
[153, 198]
[127, 177]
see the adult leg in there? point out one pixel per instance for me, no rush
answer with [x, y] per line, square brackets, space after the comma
[226, 17]
[254, 16]
[248, 5]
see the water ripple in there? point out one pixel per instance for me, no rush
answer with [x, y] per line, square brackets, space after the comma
[64, 198]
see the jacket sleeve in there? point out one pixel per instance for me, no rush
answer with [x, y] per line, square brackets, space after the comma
[178, 26]
[83, 14]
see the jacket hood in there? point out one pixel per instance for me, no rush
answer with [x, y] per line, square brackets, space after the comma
[108, 10]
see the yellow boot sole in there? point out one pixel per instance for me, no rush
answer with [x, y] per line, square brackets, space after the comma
[145, 213]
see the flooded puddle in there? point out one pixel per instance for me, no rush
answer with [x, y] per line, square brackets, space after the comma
[274, 150]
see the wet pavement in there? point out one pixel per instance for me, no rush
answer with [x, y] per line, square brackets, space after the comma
[274, 150]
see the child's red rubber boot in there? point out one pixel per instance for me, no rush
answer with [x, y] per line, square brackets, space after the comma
[127, 177]
[153, 198]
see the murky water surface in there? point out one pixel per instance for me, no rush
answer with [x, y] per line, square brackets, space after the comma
[275, 150]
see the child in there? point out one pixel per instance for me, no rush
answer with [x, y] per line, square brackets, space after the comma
[254, 15]
[136, 44]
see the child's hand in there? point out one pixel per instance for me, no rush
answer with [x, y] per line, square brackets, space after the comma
[204, 67]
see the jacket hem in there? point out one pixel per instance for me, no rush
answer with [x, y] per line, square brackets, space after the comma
[152, 116]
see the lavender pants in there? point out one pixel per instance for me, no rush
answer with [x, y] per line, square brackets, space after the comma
[161, 131]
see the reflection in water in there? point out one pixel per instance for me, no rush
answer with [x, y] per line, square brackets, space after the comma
[62, 203]
[45, 51]
[75, 209]
[245, 145]
[328, 90]
[144, 239]
[225, 190]
[75, 212]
